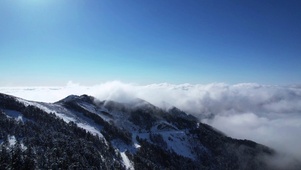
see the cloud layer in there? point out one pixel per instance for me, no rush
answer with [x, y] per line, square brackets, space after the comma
[270, 115]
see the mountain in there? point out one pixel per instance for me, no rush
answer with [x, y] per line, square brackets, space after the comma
[81, 132]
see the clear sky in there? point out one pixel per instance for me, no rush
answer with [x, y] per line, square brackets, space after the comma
[50, 42]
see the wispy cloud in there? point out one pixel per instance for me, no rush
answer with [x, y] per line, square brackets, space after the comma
[270, 115]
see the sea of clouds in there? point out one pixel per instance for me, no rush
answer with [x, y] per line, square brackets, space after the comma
[267, 114]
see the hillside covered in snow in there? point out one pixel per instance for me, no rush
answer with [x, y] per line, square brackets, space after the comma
[81, 132]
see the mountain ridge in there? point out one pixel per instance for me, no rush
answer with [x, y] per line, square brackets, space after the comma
[142, 135]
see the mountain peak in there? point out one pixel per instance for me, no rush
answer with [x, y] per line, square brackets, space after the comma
[72, 98]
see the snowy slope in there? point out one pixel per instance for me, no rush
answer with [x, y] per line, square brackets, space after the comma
[143, 134]
[176, 140]
[66, 115]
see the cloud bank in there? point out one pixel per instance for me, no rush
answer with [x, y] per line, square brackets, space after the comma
[270, 115]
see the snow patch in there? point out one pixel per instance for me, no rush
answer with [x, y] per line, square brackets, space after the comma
[128, 164]
[12, 141]
[122, 148]
[90, 129]
[18, 116]
[178, 142]
[137, 146]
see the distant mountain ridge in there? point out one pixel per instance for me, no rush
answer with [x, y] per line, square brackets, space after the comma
[85, 133]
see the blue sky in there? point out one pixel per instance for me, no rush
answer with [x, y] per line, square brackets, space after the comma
[50, 42]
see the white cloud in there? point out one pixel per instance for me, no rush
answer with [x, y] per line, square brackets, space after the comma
[270, 115]
[280, 132]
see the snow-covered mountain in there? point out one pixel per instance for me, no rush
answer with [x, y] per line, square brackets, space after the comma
[82, 132]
